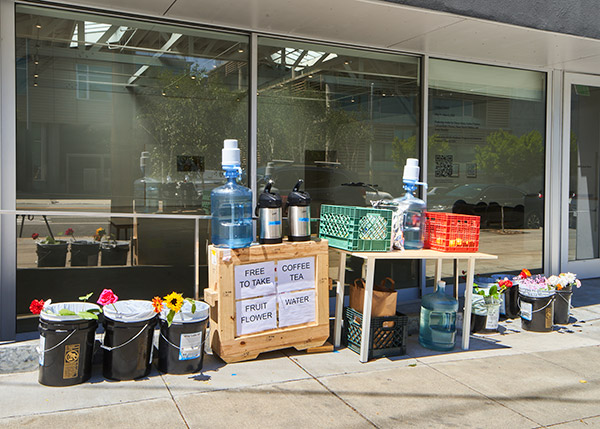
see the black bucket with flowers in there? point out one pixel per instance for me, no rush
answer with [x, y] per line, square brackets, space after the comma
[67, 335]
[50, 251]
[128, 337]
[536, 301]
[563, 284]
[113, 252]
[183, 323]
[84, 253]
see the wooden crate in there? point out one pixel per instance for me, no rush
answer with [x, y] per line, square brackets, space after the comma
[221, 296]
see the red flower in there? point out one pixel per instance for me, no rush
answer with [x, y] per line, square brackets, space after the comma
[157, 302]
[69, 231]
[524, 273]
[505, 283]
[36, 306]
[107, 297]
[35, 235]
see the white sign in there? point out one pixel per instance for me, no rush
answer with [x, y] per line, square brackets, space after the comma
[190, 345]
[526, 310]
[296, 308]
[296, 274]
[254, 280]
[256, 315]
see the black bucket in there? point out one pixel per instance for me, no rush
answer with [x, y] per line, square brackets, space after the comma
[511, 302]
[66, 350]
[181, 345]
[52, 255]
[537, 313]
[114, 254]
[484, 318]
[127, 348]
[562, 306]
[84, 253]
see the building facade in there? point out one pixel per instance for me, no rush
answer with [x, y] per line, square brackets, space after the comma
[113, 115]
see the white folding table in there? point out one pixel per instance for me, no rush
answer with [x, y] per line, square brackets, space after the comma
[425, 254]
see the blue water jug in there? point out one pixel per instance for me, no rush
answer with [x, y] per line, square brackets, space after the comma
[231, 204]
[437, 327]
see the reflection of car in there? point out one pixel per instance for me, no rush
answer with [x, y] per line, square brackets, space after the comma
[495, 204]
[325, 184]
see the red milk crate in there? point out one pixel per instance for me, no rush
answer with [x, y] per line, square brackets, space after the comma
[449, 232]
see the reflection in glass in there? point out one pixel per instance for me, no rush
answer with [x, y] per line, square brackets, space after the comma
[119, 116]
[136, 258]
[583, 177]
[486, 156]
[344, 120]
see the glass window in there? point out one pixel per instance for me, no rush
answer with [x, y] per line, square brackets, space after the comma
[344, 120]
[107, 107]
[486, 157]
[119, 116]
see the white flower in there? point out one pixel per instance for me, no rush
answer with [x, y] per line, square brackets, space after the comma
[553, 281]
[569, 277]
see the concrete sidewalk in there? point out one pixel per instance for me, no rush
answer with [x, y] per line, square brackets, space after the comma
[512, 379]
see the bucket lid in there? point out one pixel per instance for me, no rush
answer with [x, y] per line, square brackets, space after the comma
[50, 312]
[185, 315]
[129, 311]
[298, 197]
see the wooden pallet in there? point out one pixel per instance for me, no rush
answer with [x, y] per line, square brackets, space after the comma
[221, 296]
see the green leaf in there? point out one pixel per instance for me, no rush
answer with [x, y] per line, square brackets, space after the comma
[87, 315]
[86, 297]
[94, 310]
[65, 312]
[170, 317]
[494, 290]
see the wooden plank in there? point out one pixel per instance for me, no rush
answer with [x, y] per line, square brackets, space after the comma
[327, 347]
[211, 297]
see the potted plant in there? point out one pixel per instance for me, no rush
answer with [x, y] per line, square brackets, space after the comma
[563, 285]
[113, 252]
[67, 336]
[83, 252]
[486, 309]
[50, 252]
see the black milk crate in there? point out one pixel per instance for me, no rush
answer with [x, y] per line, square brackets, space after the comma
[388, 333]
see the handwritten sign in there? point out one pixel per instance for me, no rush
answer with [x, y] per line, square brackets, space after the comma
[253, 280]
[295, 274]
[256, 315]
[296, 307]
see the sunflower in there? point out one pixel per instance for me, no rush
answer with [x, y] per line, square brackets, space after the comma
[174, 301]
[157, 302]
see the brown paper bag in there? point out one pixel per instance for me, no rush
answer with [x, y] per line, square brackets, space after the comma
[384, 298]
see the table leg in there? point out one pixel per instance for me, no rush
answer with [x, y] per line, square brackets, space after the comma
[368, 301]
[438, 273]
[456, 278]
[339, 303]
[466, 332]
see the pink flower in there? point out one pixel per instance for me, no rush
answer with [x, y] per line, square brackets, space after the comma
[577, 283]
[107, 297]
[69, 231]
